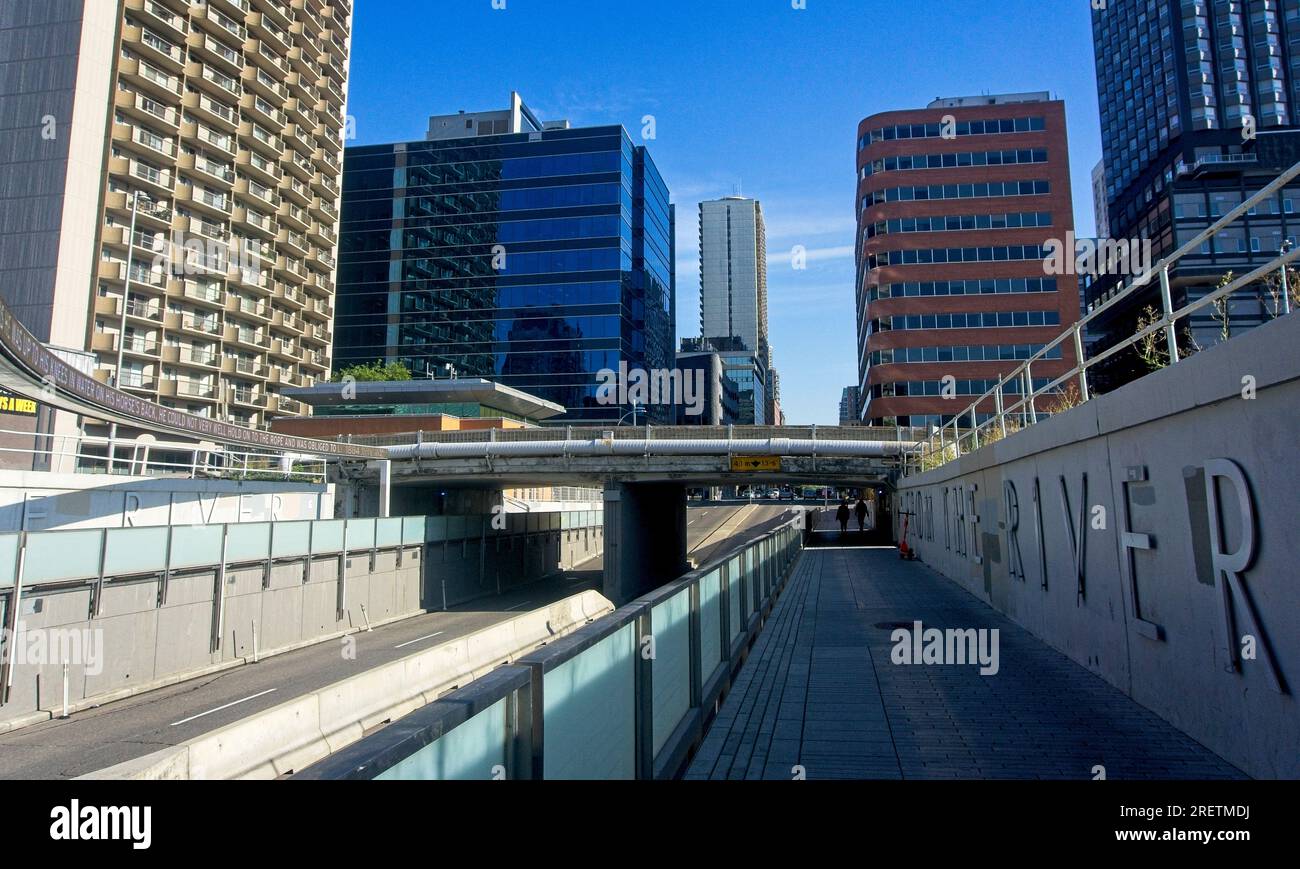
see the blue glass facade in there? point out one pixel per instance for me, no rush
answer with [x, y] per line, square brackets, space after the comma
[532, 259]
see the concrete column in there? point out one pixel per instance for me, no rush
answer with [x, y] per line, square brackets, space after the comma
[385, 487]
[645, 538]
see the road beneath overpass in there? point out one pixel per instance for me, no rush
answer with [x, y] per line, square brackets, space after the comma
[116, 732]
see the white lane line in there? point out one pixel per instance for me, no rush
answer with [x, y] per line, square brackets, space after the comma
[418, 639]
[516, 606]
[219, 708]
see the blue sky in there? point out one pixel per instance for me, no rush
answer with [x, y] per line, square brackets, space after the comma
[748, 95]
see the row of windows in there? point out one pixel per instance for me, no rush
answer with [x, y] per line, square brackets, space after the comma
[905, 162]
[961, 128]
[967, 353]
[956, 222]
[985, 287]
[972, 320]
[929, 192]
[1004, 253]
[963, 387]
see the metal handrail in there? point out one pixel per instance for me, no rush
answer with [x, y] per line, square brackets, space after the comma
[1026, 406]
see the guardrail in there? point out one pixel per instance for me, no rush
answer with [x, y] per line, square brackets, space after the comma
[648, 432]
[627, 696]
[939, 447]
[84, 454]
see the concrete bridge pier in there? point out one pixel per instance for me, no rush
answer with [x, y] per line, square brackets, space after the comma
[645, 538]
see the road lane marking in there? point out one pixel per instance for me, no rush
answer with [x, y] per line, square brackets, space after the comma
[417, 639]
[517, 606]
[219, 708]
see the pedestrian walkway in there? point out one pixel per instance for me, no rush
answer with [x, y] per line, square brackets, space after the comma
[819, 691]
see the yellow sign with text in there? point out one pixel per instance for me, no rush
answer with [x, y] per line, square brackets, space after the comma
[755, 463]
[10, 403]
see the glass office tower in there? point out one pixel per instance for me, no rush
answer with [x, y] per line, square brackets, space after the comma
[1198, 112]
[534, 258]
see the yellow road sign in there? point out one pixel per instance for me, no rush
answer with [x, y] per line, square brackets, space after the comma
[755, 463]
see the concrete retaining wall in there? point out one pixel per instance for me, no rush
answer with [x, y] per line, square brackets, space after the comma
[137, 643]
[301, 731]
[1210, 643]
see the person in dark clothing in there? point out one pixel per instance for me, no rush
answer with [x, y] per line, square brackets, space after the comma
[842, 515]
[861, 510]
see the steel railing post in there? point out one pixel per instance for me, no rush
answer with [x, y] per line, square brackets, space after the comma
[1166, 301]
[1083, 370]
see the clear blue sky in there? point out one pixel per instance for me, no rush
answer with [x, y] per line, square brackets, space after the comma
[747, 94]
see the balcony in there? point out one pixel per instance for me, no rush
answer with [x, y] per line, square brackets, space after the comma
[219, 174]
[249, 367]
[150, 80]
[186, 356]
[263, 26]
[295, 218]
[227, 24]
[249, 308]
[136, 345]
[317, 334]
[148, 311]
[191, 389]
[211, 203]
[168, 23]
[254, 135]
[217, 53]
[211, 111]
[147, 109]
[262, 112]
[221, 141]
[204, 294]
[137, 380]
[263, 227]
[246, 397]
[288, 405]
[286, 349]
[207, 326]
[260, 167]
[155, 49]
[143, 142]
[293, 189]
[247, 187]
[214, 81]
[250, 338]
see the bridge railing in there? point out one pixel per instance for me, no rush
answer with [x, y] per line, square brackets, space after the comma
[677, 432]
[627, 696]
[951, 440]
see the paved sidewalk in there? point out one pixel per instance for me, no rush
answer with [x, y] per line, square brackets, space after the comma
[820, 691]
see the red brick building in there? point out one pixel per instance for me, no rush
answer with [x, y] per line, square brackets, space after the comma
[956, 205]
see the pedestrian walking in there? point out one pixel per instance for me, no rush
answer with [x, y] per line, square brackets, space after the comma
[842, 515]
[861, 510]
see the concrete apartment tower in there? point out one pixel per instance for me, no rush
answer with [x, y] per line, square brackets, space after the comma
[216, 128]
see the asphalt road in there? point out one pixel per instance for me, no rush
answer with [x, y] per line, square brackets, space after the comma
[115, 732]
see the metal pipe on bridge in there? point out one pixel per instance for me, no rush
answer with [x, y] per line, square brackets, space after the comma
[644, 447]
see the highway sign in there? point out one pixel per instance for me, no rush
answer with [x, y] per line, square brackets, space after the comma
[755, 463]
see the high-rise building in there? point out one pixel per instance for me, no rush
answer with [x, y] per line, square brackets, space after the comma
[524, 252]
[774, 415]
[733, 272]
[745, 369]
[849, 406]
[733, 297]
[1199, 102]
[169, 192]
[1100, 205]
[718, 401]
[956, 205]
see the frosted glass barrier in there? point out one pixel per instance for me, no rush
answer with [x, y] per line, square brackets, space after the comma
[468, 751]
[136, 550]
[473, 529]
[589, 712]
[734, 584]
[327, 536]
[55, 555]
[196, 545]
[248, 541]
[8, 559]
[360, 534]
[413, 529]
[670, 624]
[534, 522]
[388, 532]
[710, 622]
[455, 527]
[291, 539]
[436, 529]
[566, 521]
[755, 593]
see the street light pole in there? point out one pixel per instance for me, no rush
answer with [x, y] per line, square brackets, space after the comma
[1283, 288]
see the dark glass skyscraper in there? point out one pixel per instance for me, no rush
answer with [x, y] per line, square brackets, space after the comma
[534, 258]
[1199, 102]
